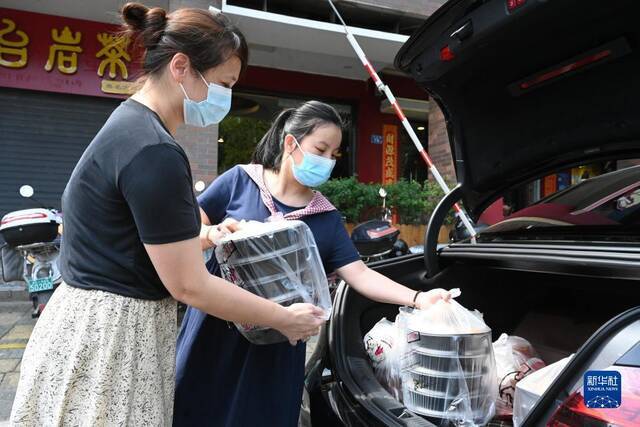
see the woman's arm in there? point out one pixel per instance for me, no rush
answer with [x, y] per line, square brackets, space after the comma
[182, 271]
[377, 287]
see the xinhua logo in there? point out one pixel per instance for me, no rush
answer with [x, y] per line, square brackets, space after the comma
[602, 389]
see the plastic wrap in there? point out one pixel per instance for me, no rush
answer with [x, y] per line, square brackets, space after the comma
[531, 388]
[448, 369]
[515, 359]
[278, 261]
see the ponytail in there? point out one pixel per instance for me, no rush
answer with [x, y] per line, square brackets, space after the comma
[268, 152]
[298, 122]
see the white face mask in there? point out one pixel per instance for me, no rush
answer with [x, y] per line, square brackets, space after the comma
[209, 111]
[314, 170]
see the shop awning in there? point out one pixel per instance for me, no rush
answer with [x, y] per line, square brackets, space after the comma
[304, 45]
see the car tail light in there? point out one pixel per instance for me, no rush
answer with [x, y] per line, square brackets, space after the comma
[574, 412]
[446, 54]
[588, 60]
[514, 4]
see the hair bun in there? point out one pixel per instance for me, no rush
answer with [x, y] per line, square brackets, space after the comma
[146, 23]
[134, 15]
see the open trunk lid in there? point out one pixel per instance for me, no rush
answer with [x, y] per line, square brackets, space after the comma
[544, 85]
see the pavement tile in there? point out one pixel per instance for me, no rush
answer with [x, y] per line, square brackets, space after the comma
[10, 381]
[11, 353]
[9, 318]
[16, 325]
[6, 402]
[8, 365]
[18, 333]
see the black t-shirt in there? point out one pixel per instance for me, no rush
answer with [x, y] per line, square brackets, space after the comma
[132, 185]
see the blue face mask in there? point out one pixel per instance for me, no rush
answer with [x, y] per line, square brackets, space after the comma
[314, 170]
[210, 111]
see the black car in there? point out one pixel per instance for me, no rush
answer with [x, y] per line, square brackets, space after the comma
[528, 87]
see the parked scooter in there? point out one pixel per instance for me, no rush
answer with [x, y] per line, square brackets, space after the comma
[377, 239]
[34, 233]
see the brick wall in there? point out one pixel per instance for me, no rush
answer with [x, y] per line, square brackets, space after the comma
[439, 148]
[201, 146]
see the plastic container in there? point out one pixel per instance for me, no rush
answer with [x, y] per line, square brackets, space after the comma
[278, 261]
[448, 378]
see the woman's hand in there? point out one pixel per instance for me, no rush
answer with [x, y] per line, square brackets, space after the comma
[212, 234]
[303, 321]
[427, 299]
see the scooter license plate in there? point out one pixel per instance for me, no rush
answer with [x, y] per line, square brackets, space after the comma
[39, 285]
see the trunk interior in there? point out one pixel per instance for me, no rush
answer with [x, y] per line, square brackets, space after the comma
[556, 313]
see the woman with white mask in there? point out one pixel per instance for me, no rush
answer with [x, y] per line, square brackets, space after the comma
[103, 351]
[223, 379]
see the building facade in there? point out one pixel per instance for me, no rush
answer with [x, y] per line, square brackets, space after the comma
[62, 72]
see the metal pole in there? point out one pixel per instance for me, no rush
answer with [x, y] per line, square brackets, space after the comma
[384, 89]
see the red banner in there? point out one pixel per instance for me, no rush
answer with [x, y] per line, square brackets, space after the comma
[389, 154]
[58, 54]
[550, 185]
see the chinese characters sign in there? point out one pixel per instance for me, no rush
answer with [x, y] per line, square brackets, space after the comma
[58, 54]
[389, 154]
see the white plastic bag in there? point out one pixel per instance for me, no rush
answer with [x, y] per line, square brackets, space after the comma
[449, 372]
[278, 261]
[379, 342]
[531, 388]
[382, 344]
[515, 359]
[447, 317]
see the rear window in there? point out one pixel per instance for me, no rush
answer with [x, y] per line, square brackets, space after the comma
[603, 196]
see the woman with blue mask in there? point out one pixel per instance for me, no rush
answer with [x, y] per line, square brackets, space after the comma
[103, 352]
[221, 378]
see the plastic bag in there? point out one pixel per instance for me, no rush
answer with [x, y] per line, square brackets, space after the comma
[515, 359]
[449, 371]
[278, 261]
[382, 345]
[531, 388]
[448, 317]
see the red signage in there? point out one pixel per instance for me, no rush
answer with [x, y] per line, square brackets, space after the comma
[389, 154]
[550, 185]
[58, 54]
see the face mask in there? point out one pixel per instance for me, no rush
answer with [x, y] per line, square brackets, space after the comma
[314, 170]
[210, 111]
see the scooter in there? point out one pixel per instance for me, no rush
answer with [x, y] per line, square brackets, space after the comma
[34, 233]
[377, 239]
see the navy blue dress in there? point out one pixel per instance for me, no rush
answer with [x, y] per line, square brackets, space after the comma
[221, 378]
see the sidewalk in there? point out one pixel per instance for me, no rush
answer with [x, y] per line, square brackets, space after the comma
[16, 325]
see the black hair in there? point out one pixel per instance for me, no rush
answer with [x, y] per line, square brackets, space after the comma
[299, 122]
[207, 39]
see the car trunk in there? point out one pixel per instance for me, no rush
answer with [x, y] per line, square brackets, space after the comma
[525, 92]
[557, 313]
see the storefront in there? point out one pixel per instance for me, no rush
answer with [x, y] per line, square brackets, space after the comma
[60, 77]
[60, 80]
